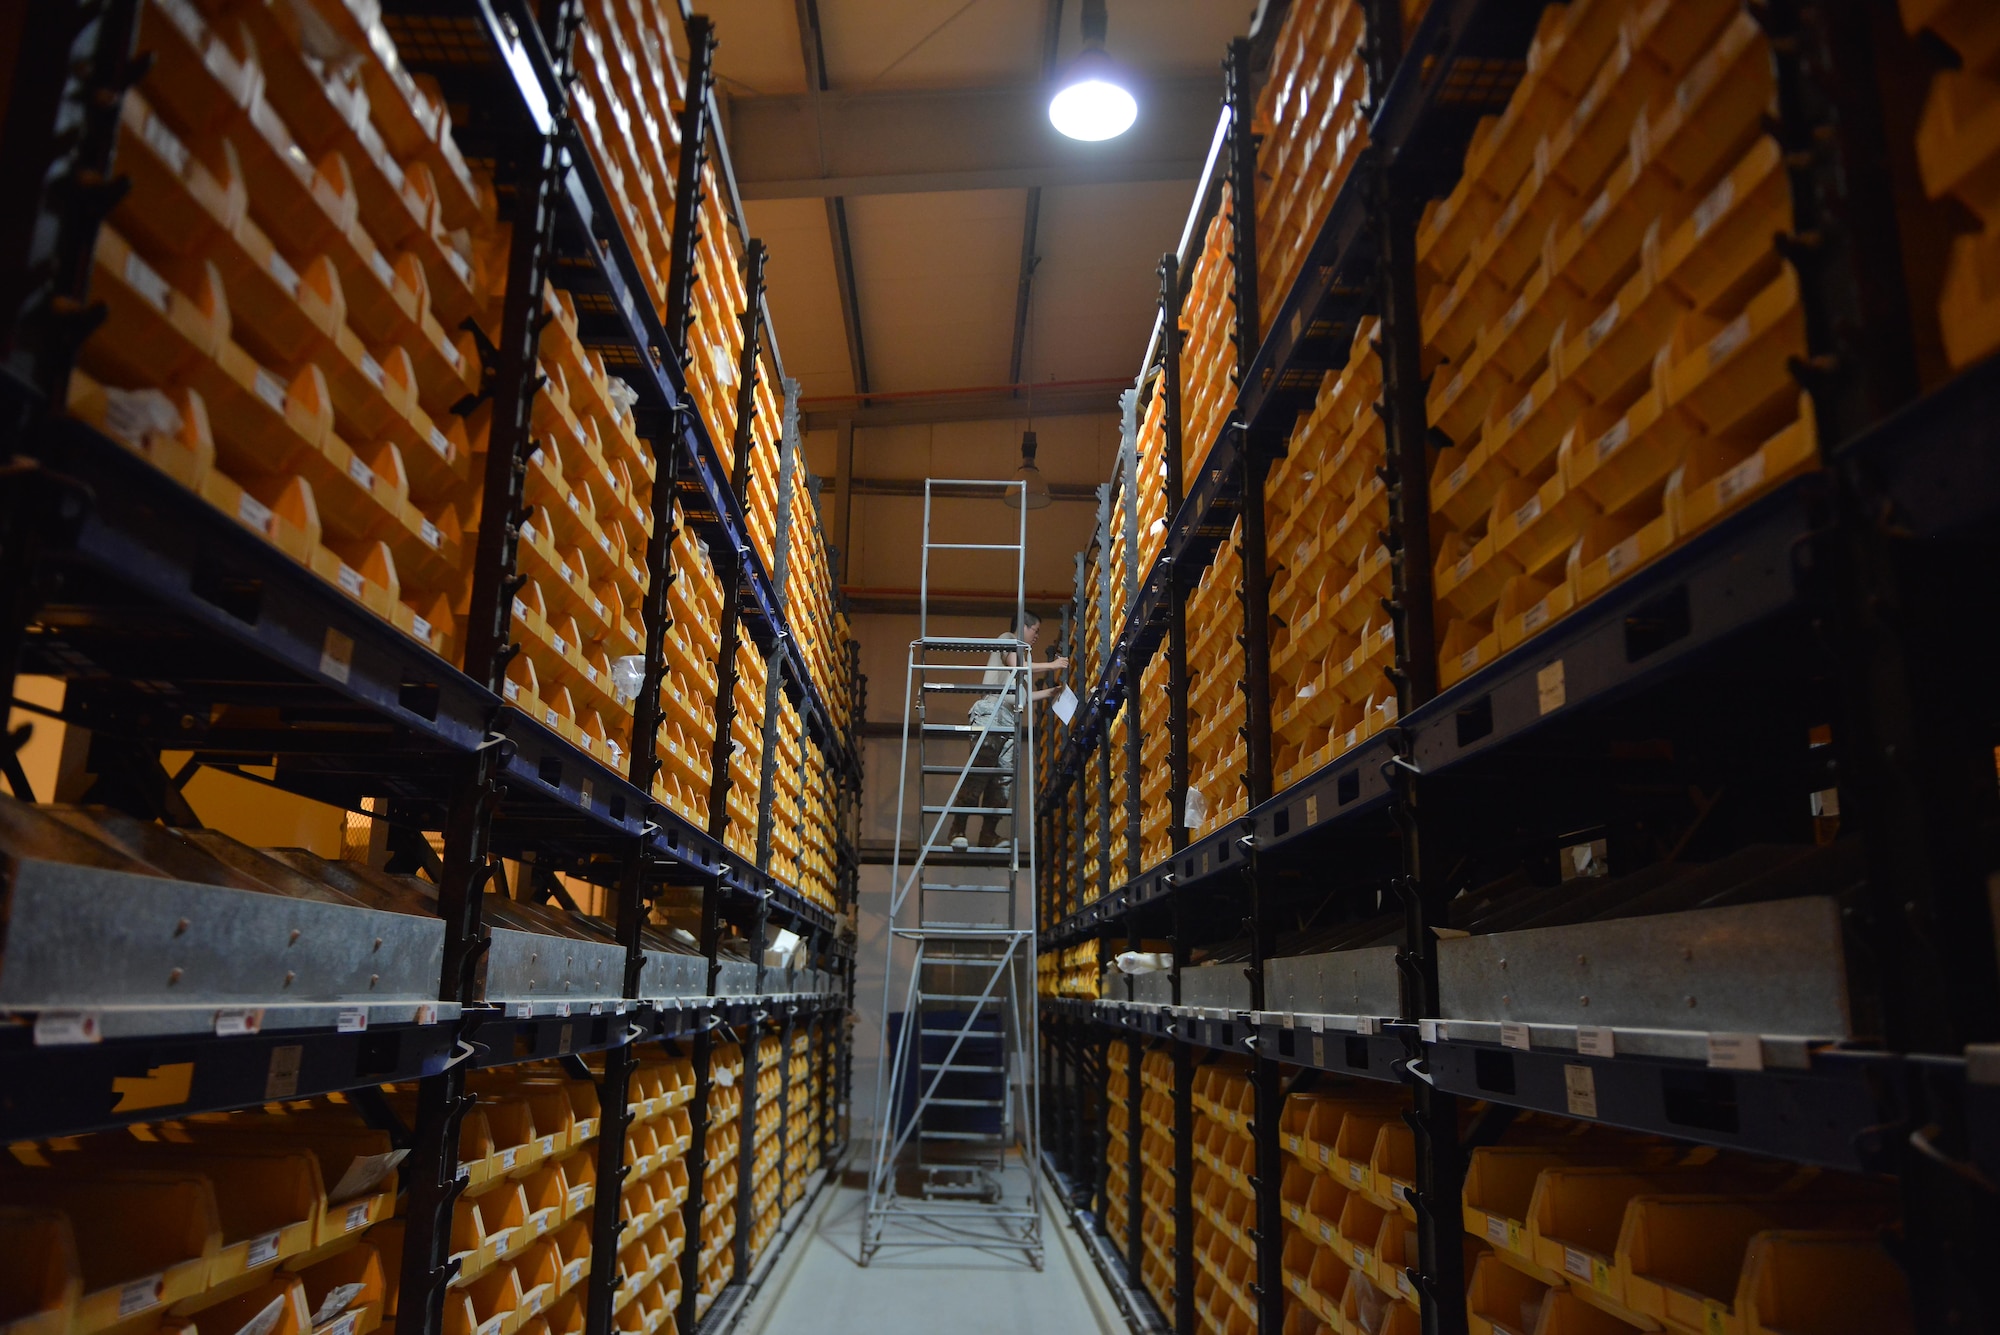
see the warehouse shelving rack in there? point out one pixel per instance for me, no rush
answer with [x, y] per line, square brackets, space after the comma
[1859, 580]
[159, 611]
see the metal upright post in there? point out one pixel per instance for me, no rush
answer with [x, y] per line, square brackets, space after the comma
[1257, 454]
[788, 448]
[1135, 711]
[697, 1150]
[746, 1141]
[1184, 1316]
[1439, 1274]
[432, 1169]
[1914, 780]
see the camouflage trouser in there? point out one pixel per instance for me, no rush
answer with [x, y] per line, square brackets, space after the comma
[995, 751]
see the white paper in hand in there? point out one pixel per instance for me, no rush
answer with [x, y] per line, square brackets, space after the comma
[1065, 705]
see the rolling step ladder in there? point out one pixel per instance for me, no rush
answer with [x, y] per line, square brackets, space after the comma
[955, 1157]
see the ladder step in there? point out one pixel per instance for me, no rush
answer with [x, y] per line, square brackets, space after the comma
[962, 729]
[940, 887]
[962, 961]
[967, 769]
[981, 1035]
[957, 1068]
[968, 811]
[961, 688]
[989, 1137]
[964, 998]
[966, 1103]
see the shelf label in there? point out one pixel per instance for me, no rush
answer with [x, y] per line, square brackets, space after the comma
[1736, 1052]
[270, 389]
[1595, 1041]
[1515, 1036]
[281, 1077]
[141, 1294]
[234, 1023]
[55, 1029]
[257, 515]
[142, 278]
[263, 1249]
[524, 1009]
[1550, 691]
[1312, 808]
[1580, 1091]
[351, 1020]
[336, 654]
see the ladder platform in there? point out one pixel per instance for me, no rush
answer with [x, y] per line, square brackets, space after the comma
[968, 811]
[965, 643]
[931, 887]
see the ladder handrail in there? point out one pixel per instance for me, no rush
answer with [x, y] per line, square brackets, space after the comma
[1004, 988]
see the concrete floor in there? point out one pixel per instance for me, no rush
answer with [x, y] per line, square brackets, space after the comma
[817, 1288]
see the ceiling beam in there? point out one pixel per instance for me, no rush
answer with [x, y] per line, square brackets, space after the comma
[820, 144]
[813, 49]
[1024, 284]
[1003, 403]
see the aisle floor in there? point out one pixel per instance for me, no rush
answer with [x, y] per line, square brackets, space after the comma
[817, 1289]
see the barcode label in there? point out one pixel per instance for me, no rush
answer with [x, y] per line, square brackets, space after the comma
[1729, 340]
[350, 580]
[1515, 1036]
[141, 1294]
[1595, 1041]
[361, 473]
[55, 1029]
[372, 369]
[1621, 556]
[422, 628]
[1710, 210]
[142, 278]
[166, 144]
[381, 268]
[1601, 327]
[232, 1023]
[270, 389]
[287, 277]
[1496, 1231]
[1740, 479]
[1576, 1263]
[263, 1248]
[1528, 512]
[1595, 213]
[432, 535]
[1520, 411]
[1611, 441]
[442, 444]
[357, 1216]
[351, 1021]
[511, 690]
[1736, 1052]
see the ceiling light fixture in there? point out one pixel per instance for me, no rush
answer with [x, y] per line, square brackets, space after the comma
[1092, 102]
[1034, 493]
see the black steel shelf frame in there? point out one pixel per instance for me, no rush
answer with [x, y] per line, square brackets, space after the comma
[85, 525]
[1862, 568]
